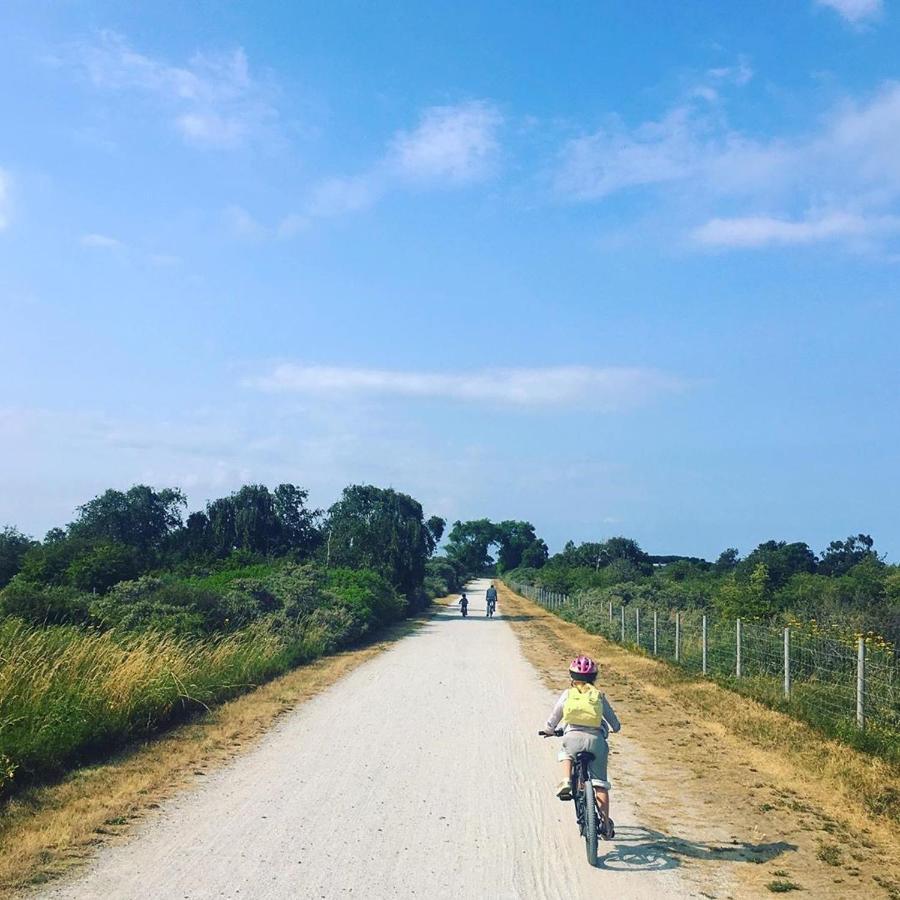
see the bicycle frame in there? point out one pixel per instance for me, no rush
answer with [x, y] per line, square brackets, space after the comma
[590, 827]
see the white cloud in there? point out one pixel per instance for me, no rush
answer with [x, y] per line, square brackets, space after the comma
[456, 143]
[606, 388]
[760, 231]
[450, 146]
[338, 196]
[100, 241]
[614, 158]
[740, 73]
[5, 200]
[212, 100]
[847, 166]
[243, 225]
[855, 11]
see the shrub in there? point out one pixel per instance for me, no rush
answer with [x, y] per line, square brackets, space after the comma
[299, 589]
[41, 605]
[102, 566]
[371, 595]
[163, 604]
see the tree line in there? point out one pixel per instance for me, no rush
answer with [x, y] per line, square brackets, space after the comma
[139, 553]
[848, 583]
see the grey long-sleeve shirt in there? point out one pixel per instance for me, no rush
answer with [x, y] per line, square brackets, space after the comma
[610, 719]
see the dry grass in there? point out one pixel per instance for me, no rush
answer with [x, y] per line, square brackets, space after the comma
[45, 831]
[67, 694]
[723, 762]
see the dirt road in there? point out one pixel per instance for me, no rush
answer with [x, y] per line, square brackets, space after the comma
[419, 775]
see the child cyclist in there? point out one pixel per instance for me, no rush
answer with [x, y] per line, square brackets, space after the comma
[588, 719]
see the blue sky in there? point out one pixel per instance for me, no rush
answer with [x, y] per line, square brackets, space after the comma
[614, 268]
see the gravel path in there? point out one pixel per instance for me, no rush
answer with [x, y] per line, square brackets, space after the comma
[418, 775]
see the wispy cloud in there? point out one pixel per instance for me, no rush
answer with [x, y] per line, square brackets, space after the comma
[615, 157]
[5, 199]
[760, 231]
[100, 241]
[608, 388]
[212, 100]
[451, 143]
[855, 11]
[839, 181]
[242, 224]
[450, 146]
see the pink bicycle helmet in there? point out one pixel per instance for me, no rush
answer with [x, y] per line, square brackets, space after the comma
[583, 668]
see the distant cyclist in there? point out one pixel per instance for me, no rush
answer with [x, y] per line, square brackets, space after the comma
[464, 604]
[491, 597]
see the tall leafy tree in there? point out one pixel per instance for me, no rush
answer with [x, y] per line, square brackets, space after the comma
[514, 540]
[435, 526]
[13, 547]
[299, 525]
[469, 544]
[380, 529]
[140, 517]
[727, 561]
[841, 556]
[781, 559]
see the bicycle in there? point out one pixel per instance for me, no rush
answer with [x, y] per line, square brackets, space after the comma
[489, 612]
[589, 815]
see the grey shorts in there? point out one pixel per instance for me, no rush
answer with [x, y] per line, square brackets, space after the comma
[581, 742]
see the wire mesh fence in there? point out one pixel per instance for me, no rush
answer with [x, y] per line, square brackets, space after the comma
[847, 687]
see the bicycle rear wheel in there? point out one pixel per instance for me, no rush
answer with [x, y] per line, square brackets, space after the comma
[591, 823]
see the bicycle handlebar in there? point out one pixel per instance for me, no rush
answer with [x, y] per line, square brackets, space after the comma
[556, 733]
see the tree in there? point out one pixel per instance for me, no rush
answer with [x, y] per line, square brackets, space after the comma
[299, 525]
[841, 556]
[469, 543]
[626, 549]
[535, 555]
[13, 547]
[380, 529]
[750, 599]
[782, 560]
[140, 517]
[514, 540]
[727, 561]
[259, 521]
[435, 526]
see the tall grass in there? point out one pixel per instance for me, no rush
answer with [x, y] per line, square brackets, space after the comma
[67, 693]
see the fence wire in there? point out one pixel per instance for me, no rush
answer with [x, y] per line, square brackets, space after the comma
[846, 687]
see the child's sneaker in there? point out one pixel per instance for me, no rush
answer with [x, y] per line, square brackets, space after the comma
[609, 830]
[564, 790]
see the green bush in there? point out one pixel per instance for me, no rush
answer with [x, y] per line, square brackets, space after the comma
[371, 595]
[41, 605]
[102, 566]
[164, 604]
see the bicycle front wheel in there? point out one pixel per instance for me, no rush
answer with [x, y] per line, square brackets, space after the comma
[590, 823]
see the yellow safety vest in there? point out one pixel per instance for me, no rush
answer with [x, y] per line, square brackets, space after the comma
[584, 707]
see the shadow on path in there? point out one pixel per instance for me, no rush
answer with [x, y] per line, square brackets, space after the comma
[477, 615]
[642, 849]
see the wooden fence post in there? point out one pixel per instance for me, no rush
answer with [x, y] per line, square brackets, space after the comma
[737, 650]
[622, 610]
[678, 637]
[637, 626]
[655, 633]
[787, 663]
[861, 684]
[704, 644]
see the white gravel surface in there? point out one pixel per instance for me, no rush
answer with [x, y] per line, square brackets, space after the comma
[419, 775]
